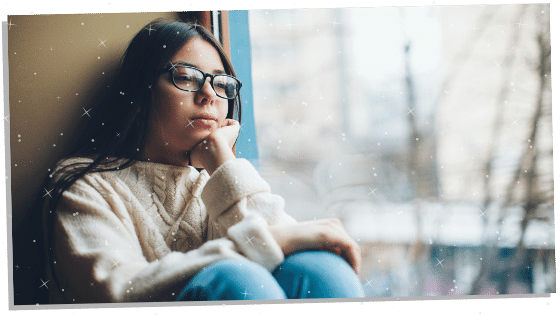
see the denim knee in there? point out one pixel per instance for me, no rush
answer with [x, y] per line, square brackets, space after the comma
[318, 274]
[232, 280]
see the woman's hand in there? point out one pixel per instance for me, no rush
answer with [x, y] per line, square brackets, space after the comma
[326, 234]
[229, 131]
[216, 148]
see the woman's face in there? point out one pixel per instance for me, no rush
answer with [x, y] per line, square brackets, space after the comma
[183, 119]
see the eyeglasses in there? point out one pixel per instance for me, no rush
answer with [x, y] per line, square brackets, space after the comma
[191, 79]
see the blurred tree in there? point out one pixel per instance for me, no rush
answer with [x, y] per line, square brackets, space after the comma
[526, 181]
[490, 252]
[534, 195]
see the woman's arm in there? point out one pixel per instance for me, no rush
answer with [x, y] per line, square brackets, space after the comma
[236, 195]
[241, 207]
[326, 234]
[290, 236]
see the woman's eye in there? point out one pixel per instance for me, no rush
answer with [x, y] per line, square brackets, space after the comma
[184, 78]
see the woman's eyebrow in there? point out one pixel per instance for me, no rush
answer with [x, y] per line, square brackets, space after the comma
[184, 63]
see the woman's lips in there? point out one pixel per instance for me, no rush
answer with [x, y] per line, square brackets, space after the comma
[204, 122]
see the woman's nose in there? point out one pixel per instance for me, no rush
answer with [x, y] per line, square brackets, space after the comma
[207, 89]
[206, 94]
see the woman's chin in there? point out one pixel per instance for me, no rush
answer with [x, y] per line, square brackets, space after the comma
[200, 134]
[197, 138]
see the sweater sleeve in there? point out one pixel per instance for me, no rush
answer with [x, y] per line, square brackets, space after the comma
[240, 206]
[100, 259]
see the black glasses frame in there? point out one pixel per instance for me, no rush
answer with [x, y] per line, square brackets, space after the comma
[205, 75]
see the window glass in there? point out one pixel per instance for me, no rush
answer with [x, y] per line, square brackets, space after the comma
[426, 130]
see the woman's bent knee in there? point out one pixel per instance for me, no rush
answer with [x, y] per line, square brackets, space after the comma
[323, 272]
[232, 280]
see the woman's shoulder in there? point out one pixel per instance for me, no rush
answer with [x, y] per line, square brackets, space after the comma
[76, 162]
[73, 162]
[82, 173]
[70, 166]
[127, 171]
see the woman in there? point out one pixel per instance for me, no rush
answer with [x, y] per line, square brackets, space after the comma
[154, 206]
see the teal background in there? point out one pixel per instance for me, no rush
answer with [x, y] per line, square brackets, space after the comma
[526, 305]
[240, 45]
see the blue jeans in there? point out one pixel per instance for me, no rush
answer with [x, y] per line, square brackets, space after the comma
[303, 275]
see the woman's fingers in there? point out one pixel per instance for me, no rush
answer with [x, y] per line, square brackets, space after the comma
[327, 234]
[349, 249]
[230, 122]
[353, 256]
[230, 131]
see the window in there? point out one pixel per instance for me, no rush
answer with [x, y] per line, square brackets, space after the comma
[415, 127]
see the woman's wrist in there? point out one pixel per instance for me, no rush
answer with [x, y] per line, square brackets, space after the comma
[281, 240]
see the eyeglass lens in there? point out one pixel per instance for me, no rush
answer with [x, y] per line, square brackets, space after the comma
[190, 79]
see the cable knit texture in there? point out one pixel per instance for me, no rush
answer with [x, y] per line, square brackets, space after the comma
[141, 233]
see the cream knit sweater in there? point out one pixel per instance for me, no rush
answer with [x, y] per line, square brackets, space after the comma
[141, 233]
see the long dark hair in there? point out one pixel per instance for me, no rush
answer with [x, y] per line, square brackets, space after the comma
[117, 135]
